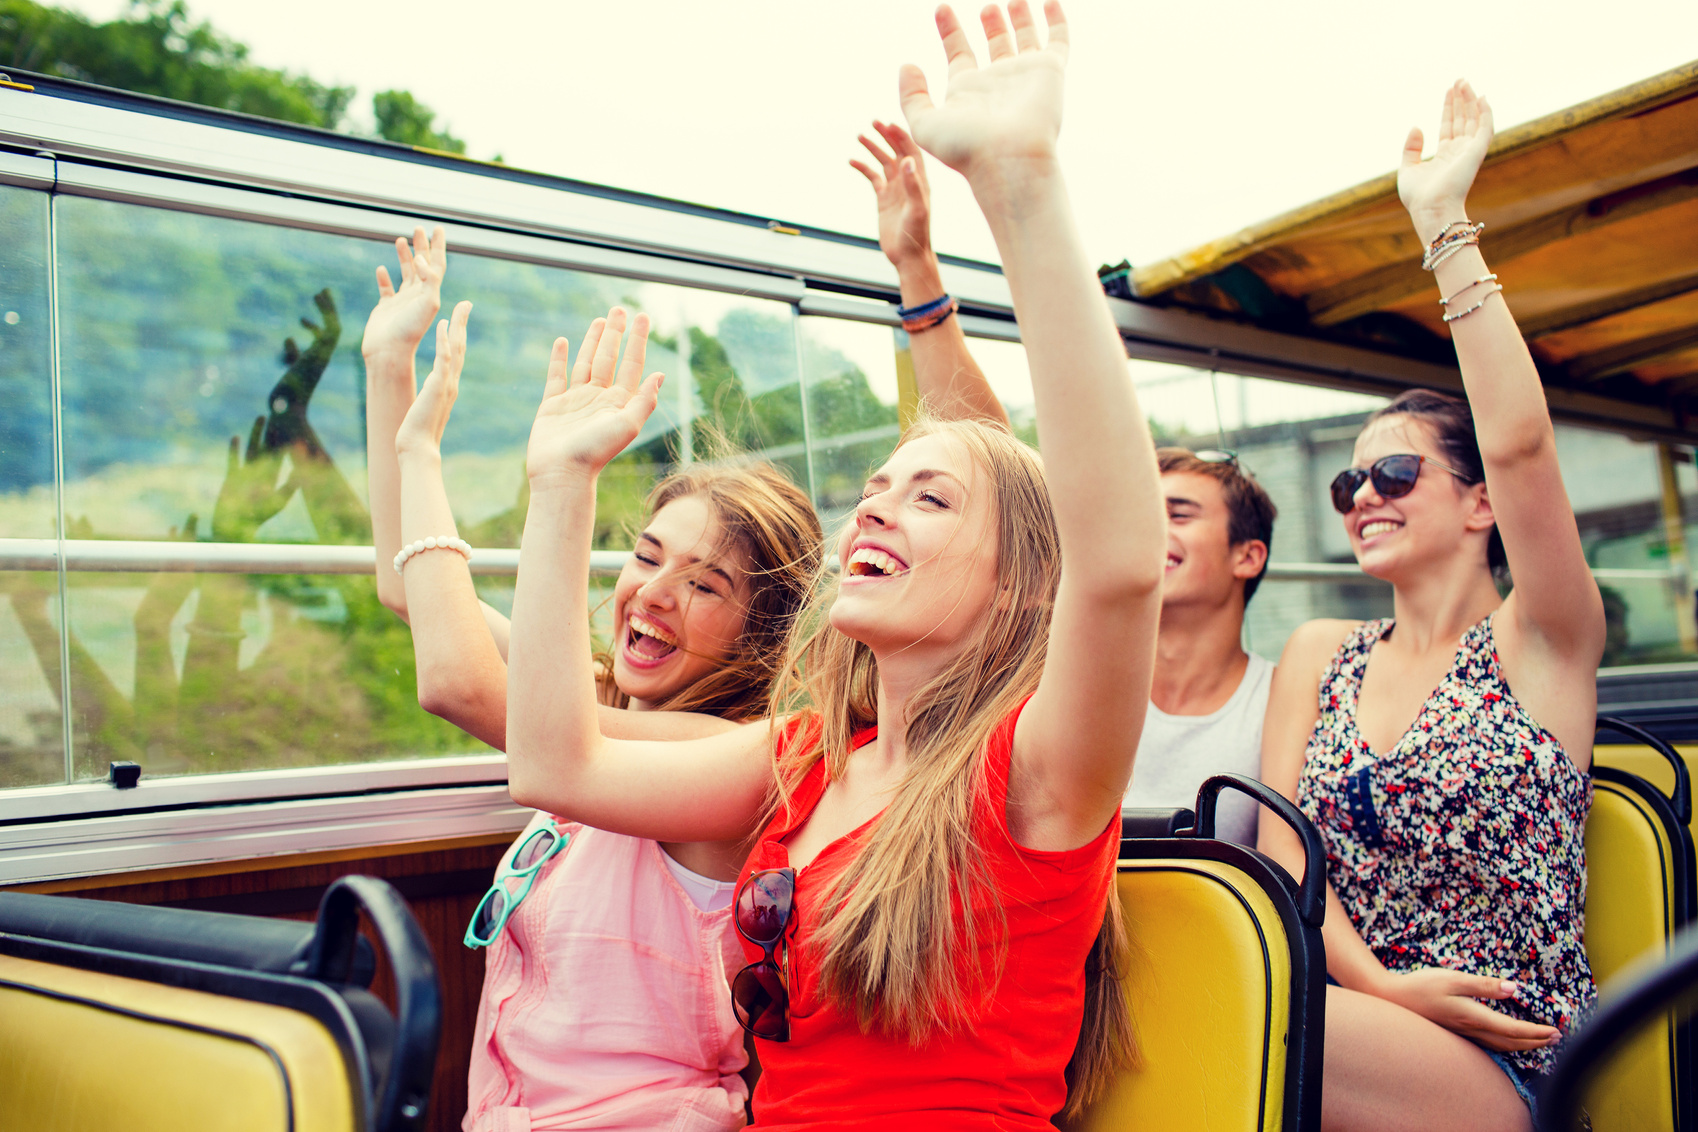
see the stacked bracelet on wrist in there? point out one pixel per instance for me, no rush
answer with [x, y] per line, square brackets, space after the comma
[926, 315]
[434, 542]
[1450, 240]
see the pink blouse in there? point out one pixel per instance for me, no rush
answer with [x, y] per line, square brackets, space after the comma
[606, 1002]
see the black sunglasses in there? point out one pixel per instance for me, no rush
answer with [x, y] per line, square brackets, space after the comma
[1392, 475]
[761, 914]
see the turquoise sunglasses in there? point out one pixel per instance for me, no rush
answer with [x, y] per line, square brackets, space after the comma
[499, 903]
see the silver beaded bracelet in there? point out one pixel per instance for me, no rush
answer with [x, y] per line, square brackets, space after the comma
[1497, 288]
[434, 542]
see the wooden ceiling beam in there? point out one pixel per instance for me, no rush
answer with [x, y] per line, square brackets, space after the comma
[1392, 284]
[1567, 318]
[1630, 355]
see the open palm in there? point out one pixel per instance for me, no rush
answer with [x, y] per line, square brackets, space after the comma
[1008, 111]
[403, 314]
[427, 418]
[590, 416]
[1442, 181]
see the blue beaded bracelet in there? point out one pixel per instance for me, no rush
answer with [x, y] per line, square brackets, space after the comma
[926, 315]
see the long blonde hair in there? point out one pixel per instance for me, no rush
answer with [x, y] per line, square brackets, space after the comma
[771, 520]
[890, 945]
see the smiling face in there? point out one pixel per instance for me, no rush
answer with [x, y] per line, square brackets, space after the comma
[1204, 567]
[920, 558]
[679, 603]
[1440, 518]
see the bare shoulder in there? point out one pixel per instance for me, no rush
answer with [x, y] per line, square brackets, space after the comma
[1312, 644]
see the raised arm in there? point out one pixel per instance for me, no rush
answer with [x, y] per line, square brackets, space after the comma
[558, 759]
[393, 331]
[1555, 608]
[949, 380]
[998, 125]
[461, 674]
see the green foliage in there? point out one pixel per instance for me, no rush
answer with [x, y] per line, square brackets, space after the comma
[155, 49]
[404, 119]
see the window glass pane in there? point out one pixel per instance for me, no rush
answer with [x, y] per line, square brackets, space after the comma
[860, 376]
[854, 406]
[32, 748]
[199, 407]
[1004, 366]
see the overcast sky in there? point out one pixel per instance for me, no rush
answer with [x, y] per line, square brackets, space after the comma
[1185, 121]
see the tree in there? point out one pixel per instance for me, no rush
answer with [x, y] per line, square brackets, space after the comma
[154, 48]
[403, 118]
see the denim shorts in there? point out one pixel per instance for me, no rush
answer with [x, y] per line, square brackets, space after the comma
[1526, 1082]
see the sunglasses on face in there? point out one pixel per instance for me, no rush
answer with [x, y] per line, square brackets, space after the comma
[1392, 475]
[761, 915]
[502, 899]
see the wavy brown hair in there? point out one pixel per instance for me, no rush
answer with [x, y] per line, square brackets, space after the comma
[891, 948]
[771, 521]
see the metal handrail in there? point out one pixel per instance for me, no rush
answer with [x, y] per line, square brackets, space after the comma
[94, 555]
[139, 557]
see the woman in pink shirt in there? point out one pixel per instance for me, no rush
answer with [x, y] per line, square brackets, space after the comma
[606, 1002]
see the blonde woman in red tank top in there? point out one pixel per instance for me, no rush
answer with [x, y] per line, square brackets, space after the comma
[939, 795]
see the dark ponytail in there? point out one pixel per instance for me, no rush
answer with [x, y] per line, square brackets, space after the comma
[1452, 422]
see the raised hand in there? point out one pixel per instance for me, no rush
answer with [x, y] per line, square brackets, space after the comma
[997, 118]
[404, 314]
[589, 417]
[287, 426]
[1435, 189]
[422, 428]
[904, 196]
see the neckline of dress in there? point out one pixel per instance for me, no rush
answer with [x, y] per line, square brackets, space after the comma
[1385, 626]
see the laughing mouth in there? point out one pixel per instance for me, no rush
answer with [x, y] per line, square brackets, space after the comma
[869, 562]
[645, 639]
[1377, 527]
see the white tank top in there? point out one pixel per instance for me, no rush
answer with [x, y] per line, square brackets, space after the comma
[1177, 752]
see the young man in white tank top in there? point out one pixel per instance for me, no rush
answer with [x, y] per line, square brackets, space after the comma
[1209, 695]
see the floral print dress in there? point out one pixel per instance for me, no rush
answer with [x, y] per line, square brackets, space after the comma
[1464, 845]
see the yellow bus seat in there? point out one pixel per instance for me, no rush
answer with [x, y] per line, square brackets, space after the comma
[1640, 892]
[1636, 1002]
[1227, 981]
[122, 1016]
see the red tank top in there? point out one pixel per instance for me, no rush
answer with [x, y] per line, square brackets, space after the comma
[1006, 1070]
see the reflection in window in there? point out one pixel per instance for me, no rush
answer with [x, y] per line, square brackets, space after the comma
[32, 748]
[214, 391]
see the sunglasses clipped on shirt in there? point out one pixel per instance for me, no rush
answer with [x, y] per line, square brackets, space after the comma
[761, 914]
[523, 865]
[1392, 475]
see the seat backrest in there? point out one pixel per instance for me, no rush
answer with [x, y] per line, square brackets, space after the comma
[1638, 895]
[1226, 982]
[1636, 1002]
[86, 1051]
[163, 1018]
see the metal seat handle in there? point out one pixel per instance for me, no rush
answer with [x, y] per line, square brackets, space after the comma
[405, 1092]
[1681, 801]
[1311, 893]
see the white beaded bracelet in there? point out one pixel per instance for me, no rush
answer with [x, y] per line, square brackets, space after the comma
[434, 542]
